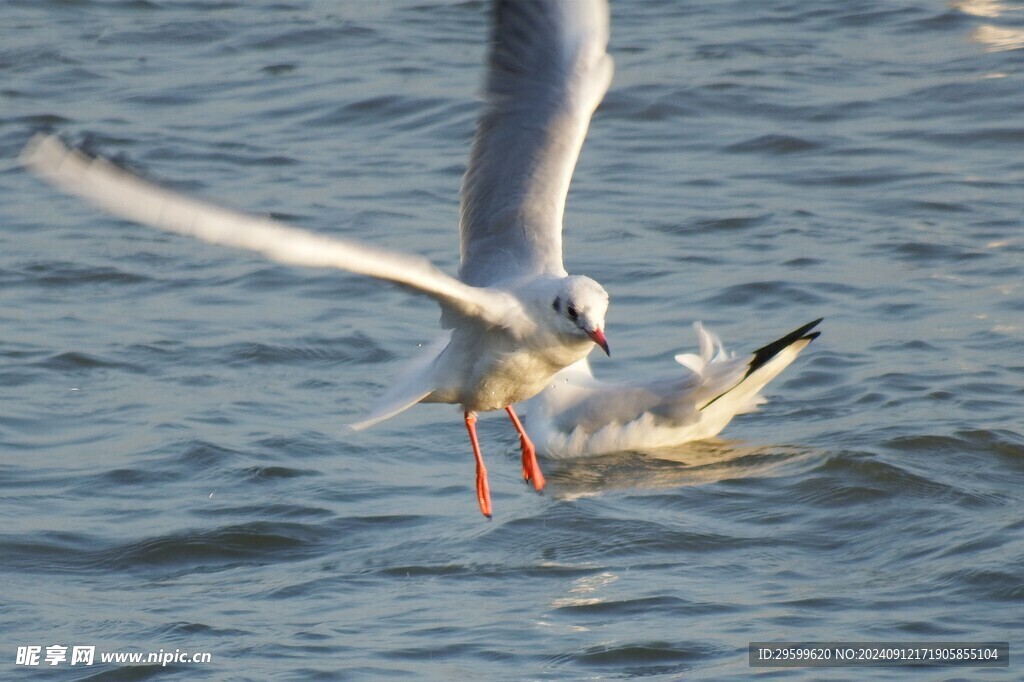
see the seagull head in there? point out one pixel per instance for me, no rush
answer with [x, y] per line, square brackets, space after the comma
[580, 305]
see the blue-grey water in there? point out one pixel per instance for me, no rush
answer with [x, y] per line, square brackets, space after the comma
[173, 470]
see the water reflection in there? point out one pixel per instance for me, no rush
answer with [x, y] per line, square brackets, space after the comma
[980, 8]
[994, 38]
[695, 463]
[998, 39]
[586, 591]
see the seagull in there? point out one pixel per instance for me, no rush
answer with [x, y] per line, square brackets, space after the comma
[579, 415]
[513, 317]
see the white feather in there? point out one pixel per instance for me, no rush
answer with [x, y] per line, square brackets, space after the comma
[579, 415]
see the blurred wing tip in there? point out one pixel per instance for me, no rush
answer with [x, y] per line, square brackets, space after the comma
[43, 152]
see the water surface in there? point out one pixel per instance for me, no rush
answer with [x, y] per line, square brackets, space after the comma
[173, 471]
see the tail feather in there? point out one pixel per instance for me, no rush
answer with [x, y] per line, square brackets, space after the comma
[414, 384]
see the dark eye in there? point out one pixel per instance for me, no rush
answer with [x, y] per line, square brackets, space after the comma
[557, 305]
[571, 310]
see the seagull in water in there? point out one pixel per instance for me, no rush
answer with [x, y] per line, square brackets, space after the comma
[579, 415]
[514, 317]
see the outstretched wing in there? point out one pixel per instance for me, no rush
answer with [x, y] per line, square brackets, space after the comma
[127, 196]
[547, 72]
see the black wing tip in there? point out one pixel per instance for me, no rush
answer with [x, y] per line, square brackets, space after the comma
[765, 353]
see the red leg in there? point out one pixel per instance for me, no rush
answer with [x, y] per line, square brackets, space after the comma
[483, 491]
[531, 469]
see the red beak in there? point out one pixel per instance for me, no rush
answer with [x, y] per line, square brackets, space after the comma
[599, 339]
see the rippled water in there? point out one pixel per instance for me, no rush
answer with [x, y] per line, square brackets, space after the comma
[173, 472]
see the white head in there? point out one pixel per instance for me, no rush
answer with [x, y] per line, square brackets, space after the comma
[580, 305]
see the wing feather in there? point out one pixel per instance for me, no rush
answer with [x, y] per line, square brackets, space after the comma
[130, 197]
[547, 72]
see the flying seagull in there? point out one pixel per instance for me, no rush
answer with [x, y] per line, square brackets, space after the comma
[514, 317]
